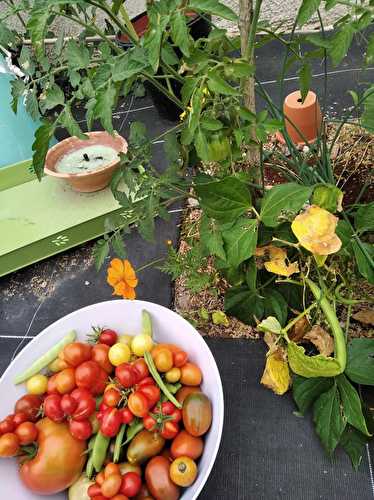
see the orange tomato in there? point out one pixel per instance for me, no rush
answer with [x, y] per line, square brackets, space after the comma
[185, 391]
[190, 375]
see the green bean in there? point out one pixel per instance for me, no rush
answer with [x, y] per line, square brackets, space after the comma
[89, 468]
[99, 451]
[146, 323]
[153, 371]
[132, 431]
[174, 388]
[118, 443]
[46, 359]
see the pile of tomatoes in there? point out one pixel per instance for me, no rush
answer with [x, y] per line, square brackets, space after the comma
[134, 407]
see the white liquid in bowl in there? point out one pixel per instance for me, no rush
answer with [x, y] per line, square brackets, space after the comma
[86, 159]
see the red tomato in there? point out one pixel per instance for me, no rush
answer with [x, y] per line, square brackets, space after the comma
[7, 425]
[119, 497]
[103, 407]
[169, 430]
[77, 353]
[51, 386]
[125, 375]
[9, 445]
[131, 484]
[94, 490]
[180, 358]
[111, 485]
[127, 416]
[86, 407]
[111, 422]
[149, 423]
[141, 369]
[52, 408]
[19, 418]
[26, 432]
[169, 409]
[177, 415]
[145, 381]
[99, 497]
[81, 430]
[112, 397]
[152, 393]
[108, 337]
[100, 355]
[100, 384]
[138, 404]
[68, 404]
[87, 374]
[29, 404]
[65, 380]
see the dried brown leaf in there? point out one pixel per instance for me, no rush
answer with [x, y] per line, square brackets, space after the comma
[365, 316]
[321, 339]
[299, 329]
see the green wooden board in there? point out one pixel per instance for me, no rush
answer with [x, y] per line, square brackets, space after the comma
[41, 219]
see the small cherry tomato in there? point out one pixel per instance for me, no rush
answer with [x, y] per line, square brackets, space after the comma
[29, 404]
[57, 365]
[185, 391]
[37, 384]
[99, 497]
[119, 353]
[166, 408]
[85, 408]
[80, 393]
[152, 393]
[52, 408]
[65, 380]
[81, 430]
[169, 430]
[19, 418]
[111, 485]
[7, 425]
[190, 374]
[187, 445]
[100, 478]
[173, 375]
[145, 381]
[131, 484]
[111, 422]
[125, 374]
[112, 397]
[180, 358]
[149, 423]
[26, 432]
[94, 490]
[183, 471]
[100, 384]
[138, 404]
[141, 369]
[9, 445]
[108, 337]
[127, 416]
[100, 355]
[51, 386]
[68, 404]
[111, 469]
[77, 353]
[141, 343]
[103, 407]
[164, 360]
[87, 374]
[121, 497]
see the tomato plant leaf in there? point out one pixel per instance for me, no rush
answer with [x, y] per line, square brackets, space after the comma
[351, 405]
[68, 121]
[219, 85]
[118, 245]
[364, 218]
[179, 32]
[364, 264]
[340, 44]
[225, 199]
[100, 253]
[360, 363]
[307, 9]
[53, 97]
[305, 77]
[104, 104]
[240, 241]
[311, 366]
[77, 56]
[353, 443]
[201, 145]
[37, 26]
[328, 418]
[32, 106]
[306, 390]
[214, 8]
[40, 146]
[17, 87]
[367, 118]
[282, 203]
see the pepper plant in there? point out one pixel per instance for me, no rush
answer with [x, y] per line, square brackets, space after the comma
[288, 255]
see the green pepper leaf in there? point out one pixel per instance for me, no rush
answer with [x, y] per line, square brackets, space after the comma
[329, 420]
[244, 304]
[214, 8]
[211, 237]
[353, 443]
[306, 390]
[352, 405]
[179, 32]
[364, 218]
[307, 9]
[240, 241]
[282, 202]
[311, 366]
[360, 363]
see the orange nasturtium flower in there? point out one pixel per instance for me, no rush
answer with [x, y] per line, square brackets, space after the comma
[122, 277]
[315, 230]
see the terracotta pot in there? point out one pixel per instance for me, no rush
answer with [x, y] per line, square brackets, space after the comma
[86, 182]
[304, 118]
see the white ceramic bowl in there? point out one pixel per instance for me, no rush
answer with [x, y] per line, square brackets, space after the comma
[124, 317]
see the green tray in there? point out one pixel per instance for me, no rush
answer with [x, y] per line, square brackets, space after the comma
[41, 219]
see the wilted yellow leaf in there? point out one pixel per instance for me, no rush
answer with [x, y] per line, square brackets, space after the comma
[321, 339]
[315, 230]
[277, 263]
[277, 374]
[220, 318]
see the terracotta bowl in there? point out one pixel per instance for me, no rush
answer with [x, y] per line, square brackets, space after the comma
[86, 182]
[305, 118]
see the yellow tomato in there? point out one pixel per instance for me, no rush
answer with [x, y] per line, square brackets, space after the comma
[125, 339]
[37, 384]
[119, 353]
[141, 343]
[173, 375]
[57, 365]
[183, 471]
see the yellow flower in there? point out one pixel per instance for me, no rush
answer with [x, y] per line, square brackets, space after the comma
[183, 115]
[276, 375]
[122, 277]
[278, 261]
[315, 230]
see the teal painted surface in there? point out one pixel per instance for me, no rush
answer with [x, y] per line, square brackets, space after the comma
[16, 130]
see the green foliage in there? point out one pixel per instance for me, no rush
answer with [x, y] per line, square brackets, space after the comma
[307, 9]
[240, 241]
[306, 390]
[311, 366]
[282, 203]
[351, 405]
[353, 443]
[364, 218]
[360, 364]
